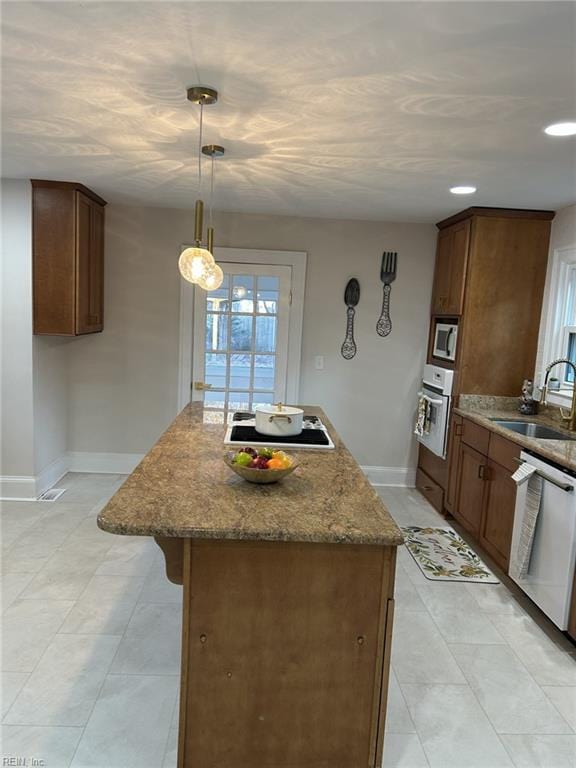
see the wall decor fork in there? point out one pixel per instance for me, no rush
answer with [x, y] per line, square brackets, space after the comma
[387, 275]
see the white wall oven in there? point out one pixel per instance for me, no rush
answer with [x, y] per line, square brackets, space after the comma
[444, 341]
[433, 413]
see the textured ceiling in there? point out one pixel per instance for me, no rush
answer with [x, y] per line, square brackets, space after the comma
[356, 110]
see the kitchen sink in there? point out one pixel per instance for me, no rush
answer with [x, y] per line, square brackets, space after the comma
[532, 429]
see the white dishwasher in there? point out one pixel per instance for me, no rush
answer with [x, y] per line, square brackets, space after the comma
[550, 575]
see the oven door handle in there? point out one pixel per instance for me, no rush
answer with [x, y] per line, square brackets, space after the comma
[431, 400]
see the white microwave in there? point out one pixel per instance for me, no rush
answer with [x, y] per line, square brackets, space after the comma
[445, 335]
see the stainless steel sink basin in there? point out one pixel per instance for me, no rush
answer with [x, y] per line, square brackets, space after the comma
[531, 429]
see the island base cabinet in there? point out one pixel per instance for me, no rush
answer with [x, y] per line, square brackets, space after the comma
[286, 652]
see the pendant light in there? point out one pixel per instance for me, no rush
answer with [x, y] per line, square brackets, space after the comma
[213, 277]
[196, 263]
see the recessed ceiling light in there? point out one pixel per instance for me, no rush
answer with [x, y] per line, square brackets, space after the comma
[561, 129]
[464, 190]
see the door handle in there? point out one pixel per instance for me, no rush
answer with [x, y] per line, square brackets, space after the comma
[200, 385]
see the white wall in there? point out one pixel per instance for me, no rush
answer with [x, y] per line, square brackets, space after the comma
[34, 377]
[17, 414]
[50, 400]
[123, 382]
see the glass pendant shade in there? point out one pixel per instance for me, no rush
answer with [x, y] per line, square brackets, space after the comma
[212, 279]
[195, 263]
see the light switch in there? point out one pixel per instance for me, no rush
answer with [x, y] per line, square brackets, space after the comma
[319, 362]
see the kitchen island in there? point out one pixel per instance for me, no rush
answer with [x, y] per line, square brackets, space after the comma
[287, 605]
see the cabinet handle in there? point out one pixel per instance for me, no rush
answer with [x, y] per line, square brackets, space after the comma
[458, 430]
[482, 472]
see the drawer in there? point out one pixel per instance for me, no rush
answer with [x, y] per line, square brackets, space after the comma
[475, 436]
[504, 452]
[430, 489]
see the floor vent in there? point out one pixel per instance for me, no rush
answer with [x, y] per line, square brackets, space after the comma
[52, 494]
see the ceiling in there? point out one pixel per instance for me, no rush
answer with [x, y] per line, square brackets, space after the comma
[345, 110]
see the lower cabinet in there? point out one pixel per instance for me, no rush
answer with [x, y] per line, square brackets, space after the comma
[485, 492]
[471, 488]
[498, 518]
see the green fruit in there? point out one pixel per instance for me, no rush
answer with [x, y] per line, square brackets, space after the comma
[266, 453]
[243, 459]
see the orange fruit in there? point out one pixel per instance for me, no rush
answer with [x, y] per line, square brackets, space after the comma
[276, 464]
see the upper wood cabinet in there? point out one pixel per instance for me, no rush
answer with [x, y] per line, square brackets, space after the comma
[68, 258]
[450, 272]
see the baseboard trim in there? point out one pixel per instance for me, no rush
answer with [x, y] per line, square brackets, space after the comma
[400, 477]
[28, 488]
[13, 488]
[106, 463]
[51, 474]
[17, 488]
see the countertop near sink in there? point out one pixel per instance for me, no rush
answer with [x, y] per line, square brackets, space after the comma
[182, 488]
[482, 410]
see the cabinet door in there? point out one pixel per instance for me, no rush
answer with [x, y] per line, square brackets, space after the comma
[89, 265]
[498, 517]
[453, 461]
[450, 273]
[471, 489]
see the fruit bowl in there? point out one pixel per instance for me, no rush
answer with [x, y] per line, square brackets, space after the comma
[255, 475]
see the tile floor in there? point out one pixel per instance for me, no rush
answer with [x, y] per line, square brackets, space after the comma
[90, 652]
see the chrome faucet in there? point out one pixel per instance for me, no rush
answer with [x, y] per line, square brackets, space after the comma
[571, 417]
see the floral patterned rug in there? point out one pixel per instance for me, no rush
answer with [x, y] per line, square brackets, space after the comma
[443, 555]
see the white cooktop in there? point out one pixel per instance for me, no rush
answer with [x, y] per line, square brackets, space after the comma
[314, 435]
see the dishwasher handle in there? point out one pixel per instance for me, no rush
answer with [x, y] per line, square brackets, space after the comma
[544, 476]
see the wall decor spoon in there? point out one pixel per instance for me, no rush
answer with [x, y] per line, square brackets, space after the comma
[387, 275]
[351, 298]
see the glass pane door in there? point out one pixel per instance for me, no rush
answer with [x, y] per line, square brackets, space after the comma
[241, 339]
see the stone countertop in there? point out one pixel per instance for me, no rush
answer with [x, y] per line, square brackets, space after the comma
[483, 410]
[183, 488]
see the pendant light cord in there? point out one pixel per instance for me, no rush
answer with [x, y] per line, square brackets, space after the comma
[200, 150]
[211, 190]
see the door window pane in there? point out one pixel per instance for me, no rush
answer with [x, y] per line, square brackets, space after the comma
[219, 300]
[240, 366]
[264, 371]
[243, 293]
[267, 294]
[239, 401]
[241, 333]
[214, 399]
[216, 369]
[262, 398]
[265, 334]
[216, 332]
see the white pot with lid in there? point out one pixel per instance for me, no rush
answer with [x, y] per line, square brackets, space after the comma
[278, 420]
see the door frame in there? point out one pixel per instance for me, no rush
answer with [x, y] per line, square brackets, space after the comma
[297, 261]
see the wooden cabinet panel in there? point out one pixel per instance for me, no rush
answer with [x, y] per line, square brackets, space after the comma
[68, 258]
[90, 265]
[453, 461]
[498, 515]
[475, 436]
[53, 248]
[450, 272]
[285, 654]
[430, 489]
[504, 452]
[471, 488]
[505, 284]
